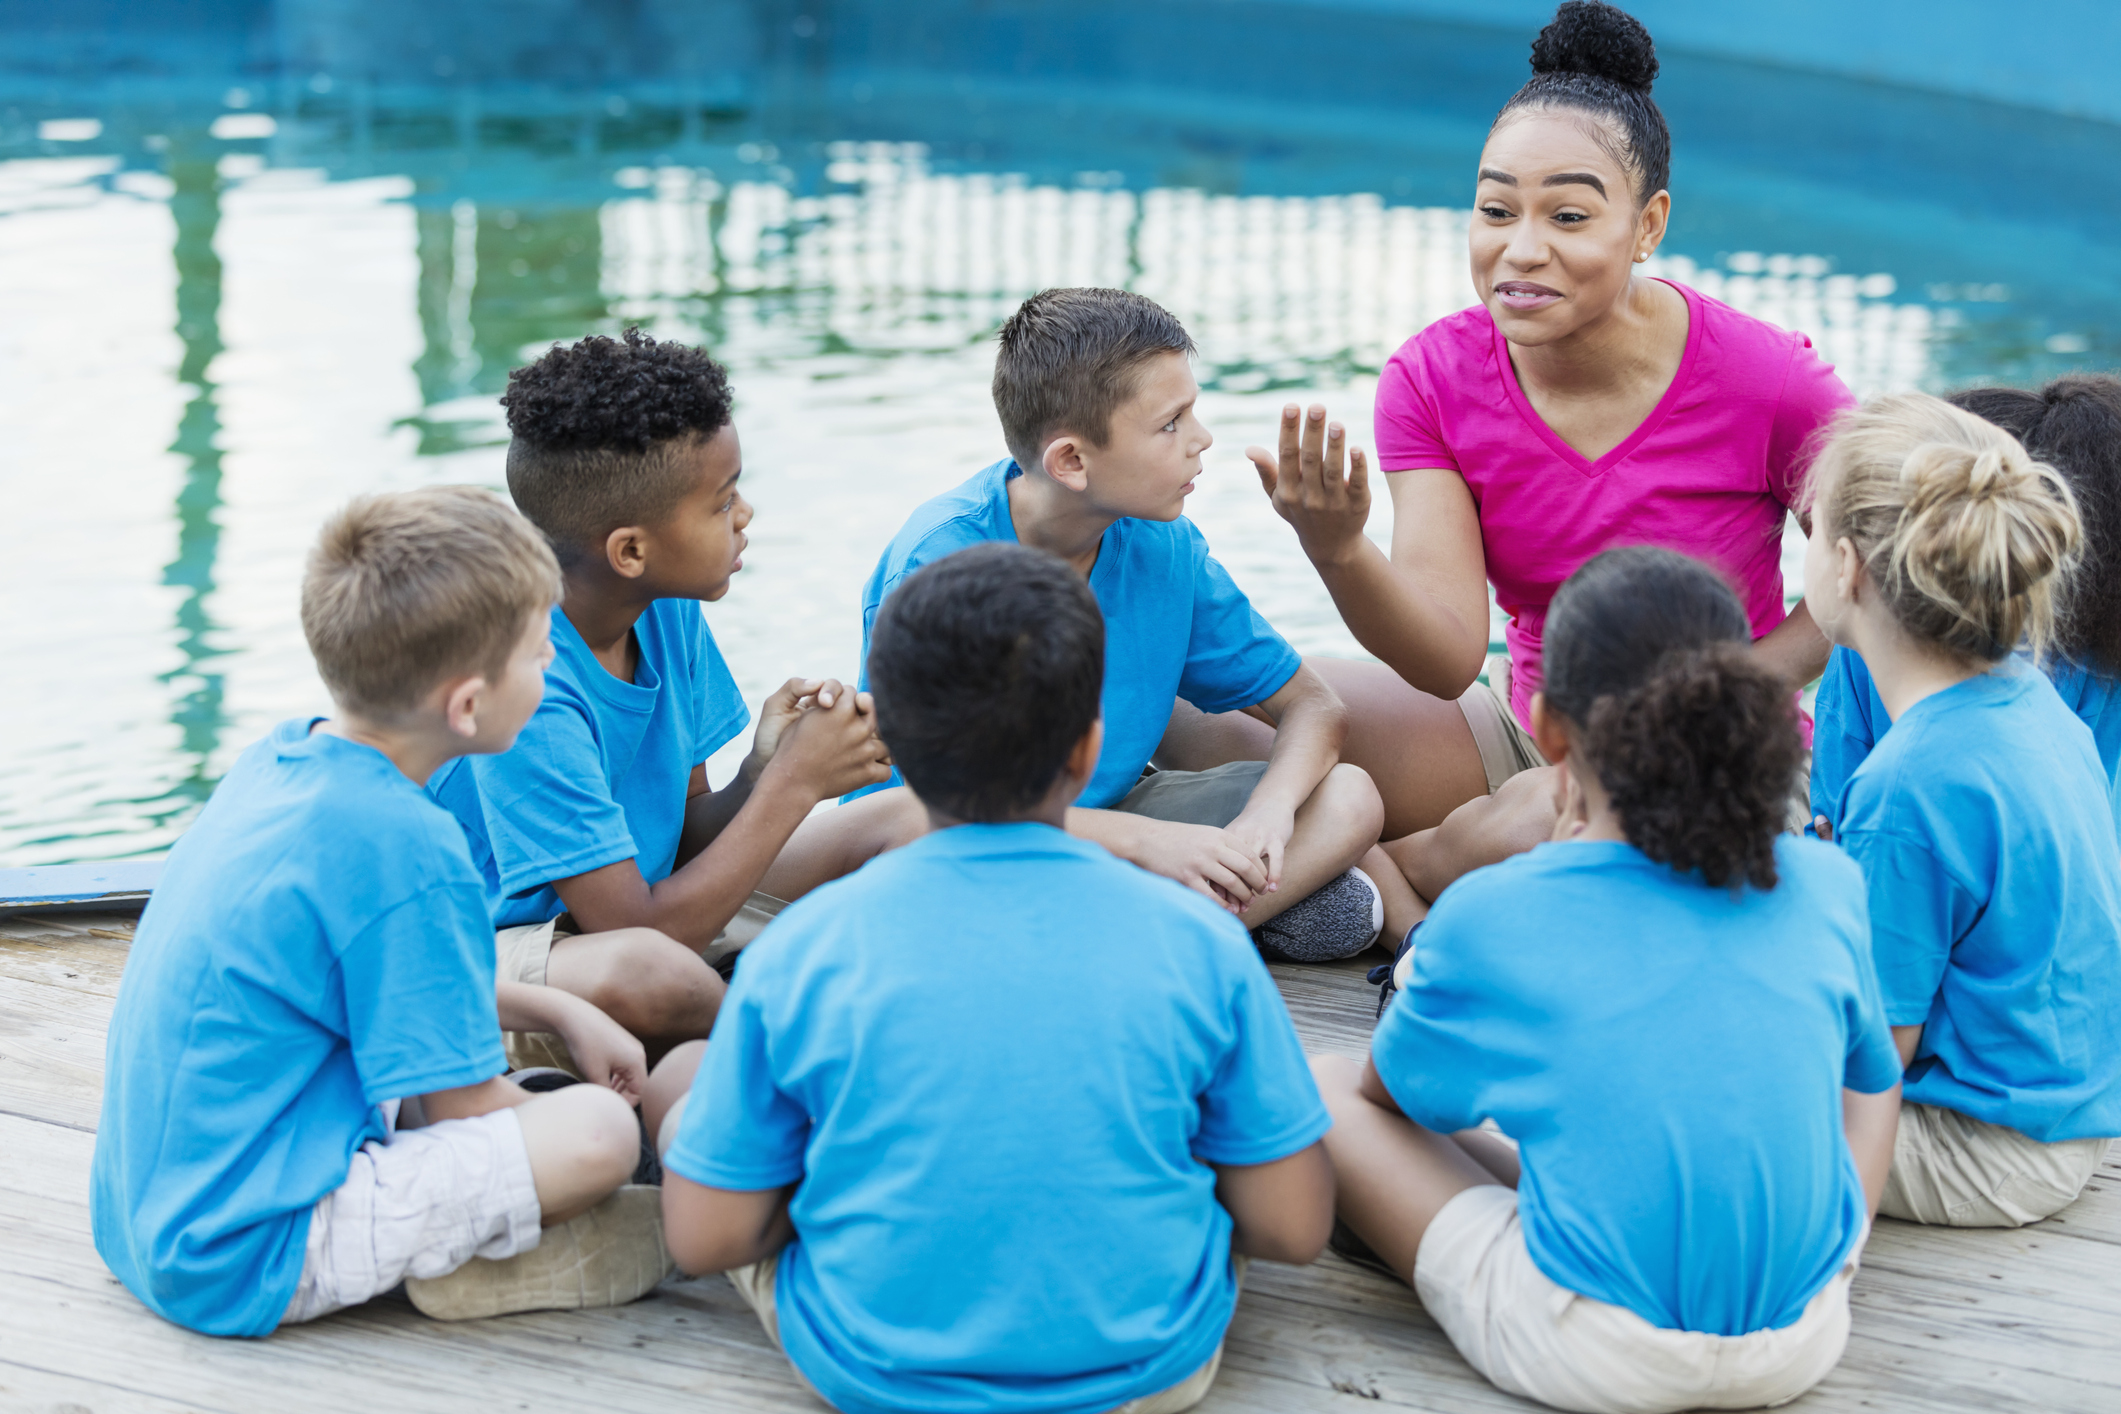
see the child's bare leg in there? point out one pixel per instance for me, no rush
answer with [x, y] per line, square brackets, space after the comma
[668, 1084]
[1492, 1152]
[645, 980]
[1391, 1176]
[1335, 828]
[1483, 831]
[839, 840]
[1403, 907]
[583, 1143]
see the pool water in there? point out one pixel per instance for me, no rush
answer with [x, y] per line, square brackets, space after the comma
[245, 281]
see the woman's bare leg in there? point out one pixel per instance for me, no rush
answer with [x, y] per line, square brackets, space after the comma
[1417, 748]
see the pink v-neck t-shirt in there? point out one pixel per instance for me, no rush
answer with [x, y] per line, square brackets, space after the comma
[1711, 472]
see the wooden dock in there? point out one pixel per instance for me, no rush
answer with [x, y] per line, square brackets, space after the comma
[2000, 1321]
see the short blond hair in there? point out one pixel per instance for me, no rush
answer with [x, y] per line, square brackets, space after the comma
[1967, 537]
[407, 589]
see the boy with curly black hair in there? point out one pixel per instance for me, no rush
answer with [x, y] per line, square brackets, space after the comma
[620, 874]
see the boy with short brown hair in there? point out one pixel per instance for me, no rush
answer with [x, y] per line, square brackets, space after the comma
[318, 957]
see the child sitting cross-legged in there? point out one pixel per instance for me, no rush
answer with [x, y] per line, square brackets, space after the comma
[622, 875]
[1096, 399]
[1670, 1007]
[1981, 818]
[318, 958]
[995, 1122]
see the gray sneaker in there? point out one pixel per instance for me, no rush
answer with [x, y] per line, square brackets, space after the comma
[1342, 918]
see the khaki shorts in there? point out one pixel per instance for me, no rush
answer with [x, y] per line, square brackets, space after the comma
[1533, 1337]
[1505, 746]
[419, 1203]
[1212, 797]
[1952, 1170]
[755, 1284]
[522, 952]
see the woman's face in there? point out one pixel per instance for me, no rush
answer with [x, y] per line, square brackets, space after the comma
[1555, 229]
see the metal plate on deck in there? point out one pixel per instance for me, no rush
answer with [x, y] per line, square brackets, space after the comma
[122, 886]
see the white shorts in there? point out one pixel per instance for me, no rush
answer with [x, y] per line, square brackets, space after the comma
[1952, 1170]
[419, 1204]
[1533, 1337]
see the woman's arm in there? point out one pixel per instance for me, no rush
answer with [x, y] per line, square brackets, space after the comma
[1424, 610]
[1795, 647]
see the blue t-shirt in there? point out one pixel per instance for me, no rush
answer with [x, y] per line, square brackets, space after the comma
[1849, 718]
[1670, 1057]
[318, 944]
[600, 773]
[1000, 1061]
[1982, 822]
[1176, 625]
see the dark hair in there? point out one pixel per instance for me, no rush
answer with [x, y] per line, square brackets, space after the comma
[986, 667]
[1599, 60]
[1069, 358]
[1648, 652]
[598, 431]
[2074, 425]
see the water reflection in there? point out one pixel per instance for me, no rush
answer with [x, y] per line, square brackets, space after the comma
[196, 706]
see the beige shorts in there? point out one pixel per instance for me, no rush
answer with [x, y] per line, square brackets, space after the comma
[420, 1203]
[755, 1284]
[522, 952]
[1952, 1170]
[1505, 746]
[1533, 1337]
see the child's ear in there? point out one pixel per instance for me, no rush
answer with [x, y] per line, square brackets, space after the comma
[626, 550]
[1082, 757]
[461, 701]
[1848, 569]
[1063, 461]
[1549, 730]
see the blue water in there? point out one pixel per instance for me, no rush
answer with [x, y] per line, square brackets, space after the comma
[258, 257]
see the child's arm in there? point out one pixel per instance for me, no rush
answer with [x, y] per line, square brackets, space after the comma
[607, 1053]
[1282, 1211]
[827, 750]
[717, 1229]
[1310, 722]
[1872, 1122]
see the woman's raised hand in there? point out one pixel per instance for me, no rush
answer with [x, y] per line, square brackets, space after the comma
[1307, 484]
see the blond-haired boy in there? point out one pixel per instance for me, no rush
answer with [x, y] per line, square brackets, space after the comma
[319, 955]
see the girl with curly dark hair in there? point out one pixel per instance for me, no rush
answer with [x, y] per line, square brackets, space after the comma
[1670, 1007]
[1981, 819]
[2074, 425]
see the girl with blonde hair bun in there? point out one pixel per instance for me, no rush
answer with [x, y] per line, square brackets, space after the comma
[1939, 548]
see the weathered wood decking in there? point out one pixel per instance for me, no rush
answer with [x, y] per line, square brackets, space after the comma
[2007, 1321]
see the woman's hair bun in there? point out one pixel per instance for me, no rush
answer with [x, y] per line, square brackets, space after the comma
[1588, 37]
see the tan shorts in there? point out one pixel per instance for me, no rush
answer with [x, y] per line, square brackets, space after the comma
[1505, 746]
[522, 952]
[1535, 1338]
[1952, 1170]
[755, 1284]
[420, 1203]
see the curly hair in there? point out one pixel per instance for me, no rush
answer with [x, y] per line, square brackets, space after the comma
[2074, 425]
[598, 432]
[1599, 60]
[1695, 741]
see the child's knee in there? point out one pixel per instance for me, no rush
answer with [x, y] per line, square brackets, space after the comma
[1338, 1077]
[654, 985]
[606, 1131]
[1348, 804]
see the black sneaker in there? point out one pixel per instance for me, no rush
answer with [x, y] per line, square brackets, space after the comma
[1347, 1245]
[1381, 975]
[1340, 919]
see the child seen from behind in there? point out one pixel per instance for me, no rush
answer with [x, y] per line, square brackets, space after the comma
[995, 1122]
[1982, 818]
[1670, 1007]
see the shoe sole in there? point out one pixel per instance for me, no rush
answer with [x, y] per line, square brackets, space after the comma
[608, 1256]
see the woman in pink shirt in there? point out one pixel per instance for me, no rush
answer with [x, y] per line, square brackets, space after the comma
[1581, 406]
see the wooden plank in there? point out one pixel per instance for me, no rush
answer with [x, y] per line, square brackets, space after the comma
[51, 1052]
